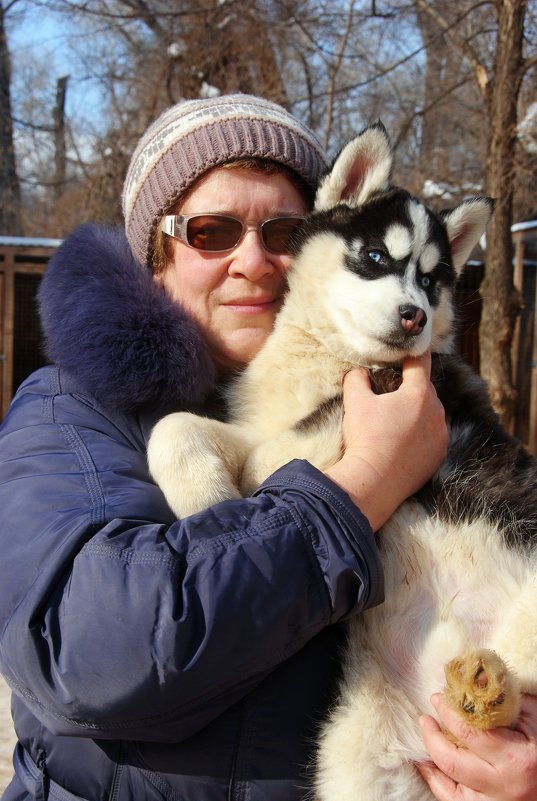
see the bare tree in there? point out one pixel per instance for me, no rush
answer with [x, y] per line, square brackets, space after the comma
[499, 82]
[10, 194]
[501, 303]
[324, 62]
[146, 55]
[60, 160]
[450, 139]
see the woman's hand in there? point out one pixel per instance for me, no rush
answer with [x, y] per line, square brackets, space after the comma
[495, 765]
[393, 442]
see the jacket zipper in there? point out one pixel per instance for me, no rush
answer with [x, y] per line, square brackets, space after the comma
[42, 783]
[236, 787]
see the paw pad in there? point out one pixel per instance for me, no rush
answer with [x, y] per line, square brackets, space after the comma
[480, 686]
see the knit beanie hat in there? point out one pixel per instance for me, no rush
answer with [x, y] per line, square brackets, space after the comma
[195, 135]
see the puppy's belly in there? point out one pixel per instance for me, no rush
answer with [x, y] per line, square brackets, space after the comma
[449, 589]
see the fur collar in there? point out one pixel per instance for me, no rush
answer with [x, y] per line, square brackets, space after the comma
[115, 331]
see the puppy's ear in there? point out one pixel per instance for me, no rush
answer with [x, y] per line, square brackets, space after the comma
[362, 168]
[465, 224]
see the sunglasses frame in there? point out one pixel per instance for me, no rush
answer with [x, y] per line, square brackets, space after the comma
[176, 226]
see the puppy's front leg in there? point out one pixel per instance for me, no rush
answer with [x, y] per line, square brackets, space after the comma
[196, 461]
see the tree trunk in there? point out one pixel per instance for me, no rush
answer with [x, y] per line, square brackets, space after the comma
[59, 137]
[501, 302]
[10, 195]
[432, 161]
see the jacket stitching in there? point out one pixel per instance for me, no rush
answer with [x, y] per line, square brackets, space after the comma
[89, 471]
[130, 556]
[224, 540]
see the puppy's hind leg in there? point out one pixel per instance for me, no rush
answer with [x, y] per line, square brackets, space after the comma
[196, 461]
[481, 688]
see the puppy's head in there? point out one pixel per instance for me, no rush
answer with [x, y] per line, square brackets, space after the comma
[376, 264]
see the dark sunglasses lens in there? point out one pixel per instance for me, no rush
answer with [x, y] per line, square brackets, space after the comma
[211, 232]
[277, 233]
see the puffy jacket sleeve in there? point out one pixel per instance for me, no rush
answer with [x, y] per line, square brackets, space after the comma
[116, 620]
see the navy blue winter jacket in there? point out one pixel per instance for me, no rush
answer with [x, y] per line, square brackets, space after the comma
[155, 658]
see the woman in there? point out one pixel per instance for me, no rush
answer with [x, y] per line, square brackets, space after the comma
[152, 658]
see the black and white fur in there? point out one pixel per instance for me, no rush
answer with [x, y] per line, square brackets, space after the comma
[373, 280]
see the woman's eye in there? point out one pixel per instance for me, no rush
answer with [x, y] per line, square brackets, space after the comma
[377, 256]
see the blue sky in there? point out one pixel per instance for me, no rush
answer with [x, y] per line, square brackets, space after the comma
[41, 54]
[36, 34]
[36, 28]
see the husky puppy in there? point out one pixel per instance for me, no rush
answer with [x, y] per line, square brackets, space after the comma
[373, 281]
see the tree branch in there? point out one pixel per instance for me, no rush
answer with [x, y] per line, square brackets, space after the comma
[448, 29]
[333, 71]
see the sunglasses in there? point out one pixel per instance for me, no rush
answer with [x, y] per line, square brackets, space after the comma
[215, 233]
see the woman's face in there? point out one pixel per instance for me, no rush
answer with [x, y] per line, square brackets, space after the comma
[234, 296]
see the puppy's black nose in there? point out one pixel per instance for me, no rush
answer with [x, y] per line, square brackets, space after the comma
[413, 319]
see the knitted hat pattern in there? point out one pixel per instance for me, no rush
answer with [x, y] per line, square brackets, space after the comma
[195, 135]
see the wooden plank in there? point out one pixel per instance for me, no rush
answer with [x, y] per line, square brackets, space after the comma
[7, 343]
[14, 260]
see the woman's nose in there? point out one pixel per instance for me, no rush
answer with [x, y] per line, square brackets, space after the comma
[251, 259]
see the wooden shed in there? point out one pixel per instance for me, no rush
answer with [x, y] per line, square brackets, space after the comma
[22, 264]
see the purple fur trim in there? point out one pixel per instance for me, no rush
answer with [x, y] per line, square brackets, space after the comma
[115, 331]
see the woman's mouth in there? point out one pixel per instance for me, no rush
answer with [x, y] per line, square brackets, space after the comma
[253, 305]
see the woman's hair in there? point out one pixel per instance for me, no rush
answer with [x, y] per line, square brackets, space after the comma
[162, 248]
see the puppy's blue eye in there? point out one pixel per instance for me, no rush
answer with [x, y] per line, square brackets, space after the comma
[377, 256]
[425, 281]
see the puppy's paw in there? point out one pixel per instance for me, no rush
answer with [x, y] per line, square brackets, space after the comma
[191, 461]
[481, 688]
